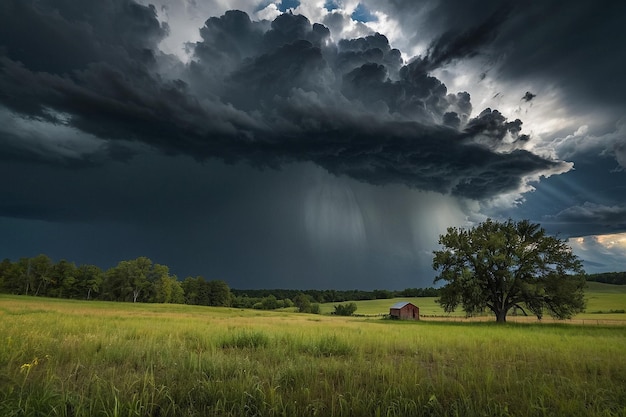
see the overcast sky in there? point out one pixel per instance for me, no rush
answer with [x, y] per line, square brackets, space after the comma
[299, 145]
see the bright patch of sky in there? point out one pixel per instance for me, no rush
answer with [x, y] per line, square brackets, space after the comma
[331, 5]
[286, 5]
[601, 253]
[363, 14]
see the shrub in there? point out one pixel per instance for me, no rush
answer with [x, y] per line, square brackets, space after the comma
[345, 309]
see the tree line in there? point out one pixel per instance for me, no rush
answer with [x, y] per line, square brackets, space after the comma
[141, 280]
[137, 280]
[615, 278]
[338, 296]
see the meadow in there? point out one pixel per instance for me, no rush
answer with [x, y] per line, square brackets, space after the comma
[79, 358]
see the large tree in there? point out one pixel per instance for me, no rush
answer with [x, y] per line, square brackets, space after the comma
[133, 280]
[499, 266]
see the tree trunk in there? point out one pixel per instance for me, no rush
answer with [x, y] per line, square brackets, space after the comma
[501, 316]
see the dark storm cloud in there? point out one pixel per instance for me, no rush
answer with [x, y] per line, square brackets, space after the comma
[588, 200]
[264, 93]
[454, 44]
[493, 125]
[227, 39]
[64, 36]
[577, 47]
[353, 53]
[612, 218]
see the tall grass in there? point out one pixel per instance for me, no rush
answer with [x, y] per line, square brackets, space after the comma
[104, 359]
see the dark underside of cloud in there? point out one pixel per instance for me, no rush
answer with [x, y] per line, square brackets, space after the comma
[268, 93]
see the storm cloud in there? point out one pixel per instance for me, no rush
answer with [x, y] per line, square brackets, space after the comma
[268, 93]
[295, 145]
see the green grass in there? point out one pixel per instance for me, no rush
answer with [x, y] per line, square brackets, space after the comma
[71, 358]
[604, 298]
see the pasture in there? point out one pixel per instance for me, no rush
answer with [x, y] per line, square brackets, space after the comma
[78, 358]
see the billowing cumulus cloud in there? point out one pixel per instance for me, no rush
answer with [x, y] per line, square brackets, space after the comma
[601, 253]
[264, 92]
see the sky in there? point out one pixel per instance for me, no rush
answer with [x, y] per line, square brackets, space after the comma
[308, 144]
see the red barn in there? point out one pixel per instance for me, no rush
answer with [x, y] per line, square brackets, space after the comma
[404, 311]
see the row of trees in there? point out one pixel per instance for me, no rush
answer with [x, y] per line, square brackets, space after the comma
[615, 278]
[337, 296]
[137, 280]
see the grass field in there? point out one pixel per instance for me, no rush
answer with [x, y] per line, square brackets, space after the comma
[77, 358]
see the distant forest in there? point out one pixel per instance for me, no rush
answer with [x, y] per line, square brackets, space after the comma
[616, 278]
[141, 280]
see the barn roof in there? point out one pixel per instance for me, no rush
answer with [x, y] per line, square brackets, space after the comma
[400, 304]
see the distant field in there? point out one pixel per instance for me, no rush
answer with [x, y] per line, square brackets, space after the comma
[605, 297]
[602, 300]
[78, 358]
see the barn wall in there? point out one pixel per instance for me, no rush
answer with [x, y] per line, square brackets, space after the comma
[408, 312]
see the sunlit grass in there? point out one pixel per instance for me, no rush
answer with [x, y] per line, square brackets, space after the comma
[69, 358]
[603, 298]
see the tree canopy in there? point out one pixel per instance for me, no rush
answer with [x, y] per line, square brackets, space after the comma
[345, 309]
[500, 266]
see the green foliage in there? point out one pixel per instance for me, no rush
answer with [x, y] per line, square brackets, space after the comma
[138, 280]
[334, 296]
[133, 280]
[198, 291]
[90, 279]
[302, 302]
[418, 292]
[499, 266]
[168, 290]
[269, 303]
[304, 305]
[314, 308]
[345, 309]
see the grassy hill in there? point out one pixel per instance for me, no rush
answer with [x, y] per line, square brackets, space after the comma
[605, 300]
